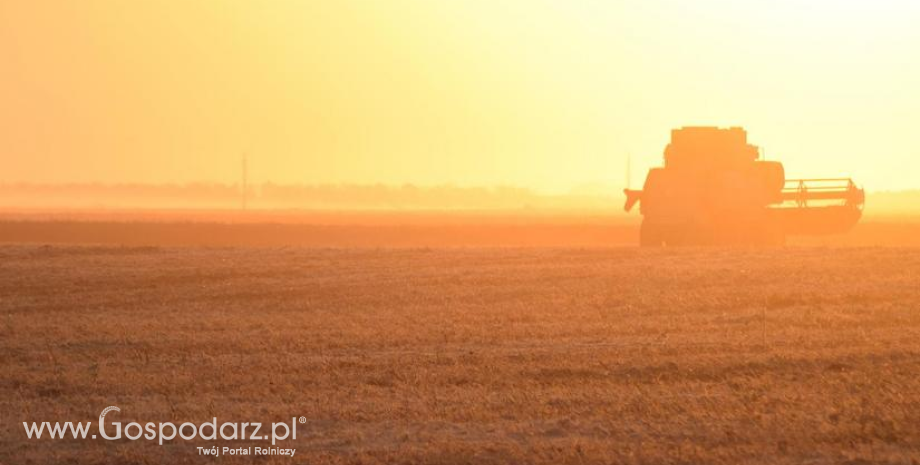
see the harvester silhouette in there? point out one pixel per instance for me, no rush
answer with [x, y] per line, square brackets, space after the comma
[715, 190]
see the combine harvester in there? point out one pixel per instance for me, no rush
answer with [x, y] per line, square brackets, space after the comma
[715, 190]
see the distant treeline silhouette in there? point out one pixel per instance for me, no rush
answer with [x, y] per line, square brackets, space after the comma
[271, 195]
[347, 197]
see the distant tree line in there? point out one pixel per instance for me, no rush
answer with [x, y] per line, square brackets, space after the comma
[272, 195]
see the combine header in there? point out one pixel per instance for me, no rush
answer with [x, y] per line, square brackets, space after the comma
[715, 189]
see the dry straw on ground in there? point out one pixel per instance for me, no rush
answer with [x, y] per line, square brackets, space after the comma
[470, 355]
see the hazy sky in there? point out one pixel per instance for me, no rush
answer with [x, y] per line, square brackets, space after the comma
[541, 94]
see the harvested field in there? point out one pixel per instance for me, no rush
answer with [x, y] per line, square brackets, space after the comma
[382, 230]
[469, 355]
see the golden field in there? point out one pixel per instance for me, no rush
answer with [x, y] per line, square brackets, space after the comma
[381, 229]
[469, 355]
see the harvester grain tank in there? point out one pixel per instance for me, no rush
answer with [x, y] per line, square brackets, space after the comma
[715, 189]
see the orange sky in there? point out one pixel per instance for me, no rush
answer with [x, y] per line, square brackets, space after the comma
[541, 94]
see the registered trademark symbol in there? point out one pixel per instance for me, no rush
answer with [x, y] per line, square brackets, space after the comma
[302, 420]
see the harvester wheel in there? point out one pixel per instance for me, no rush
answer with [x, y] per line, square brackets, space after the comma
[695, 235]
[650, 235]
[767, 235]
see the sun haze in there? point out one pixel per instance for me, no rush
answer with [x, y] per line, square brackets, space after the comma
[545, 95]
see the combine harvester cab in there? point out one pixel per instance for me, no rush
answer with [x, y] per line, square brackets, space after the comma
[715, 190]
